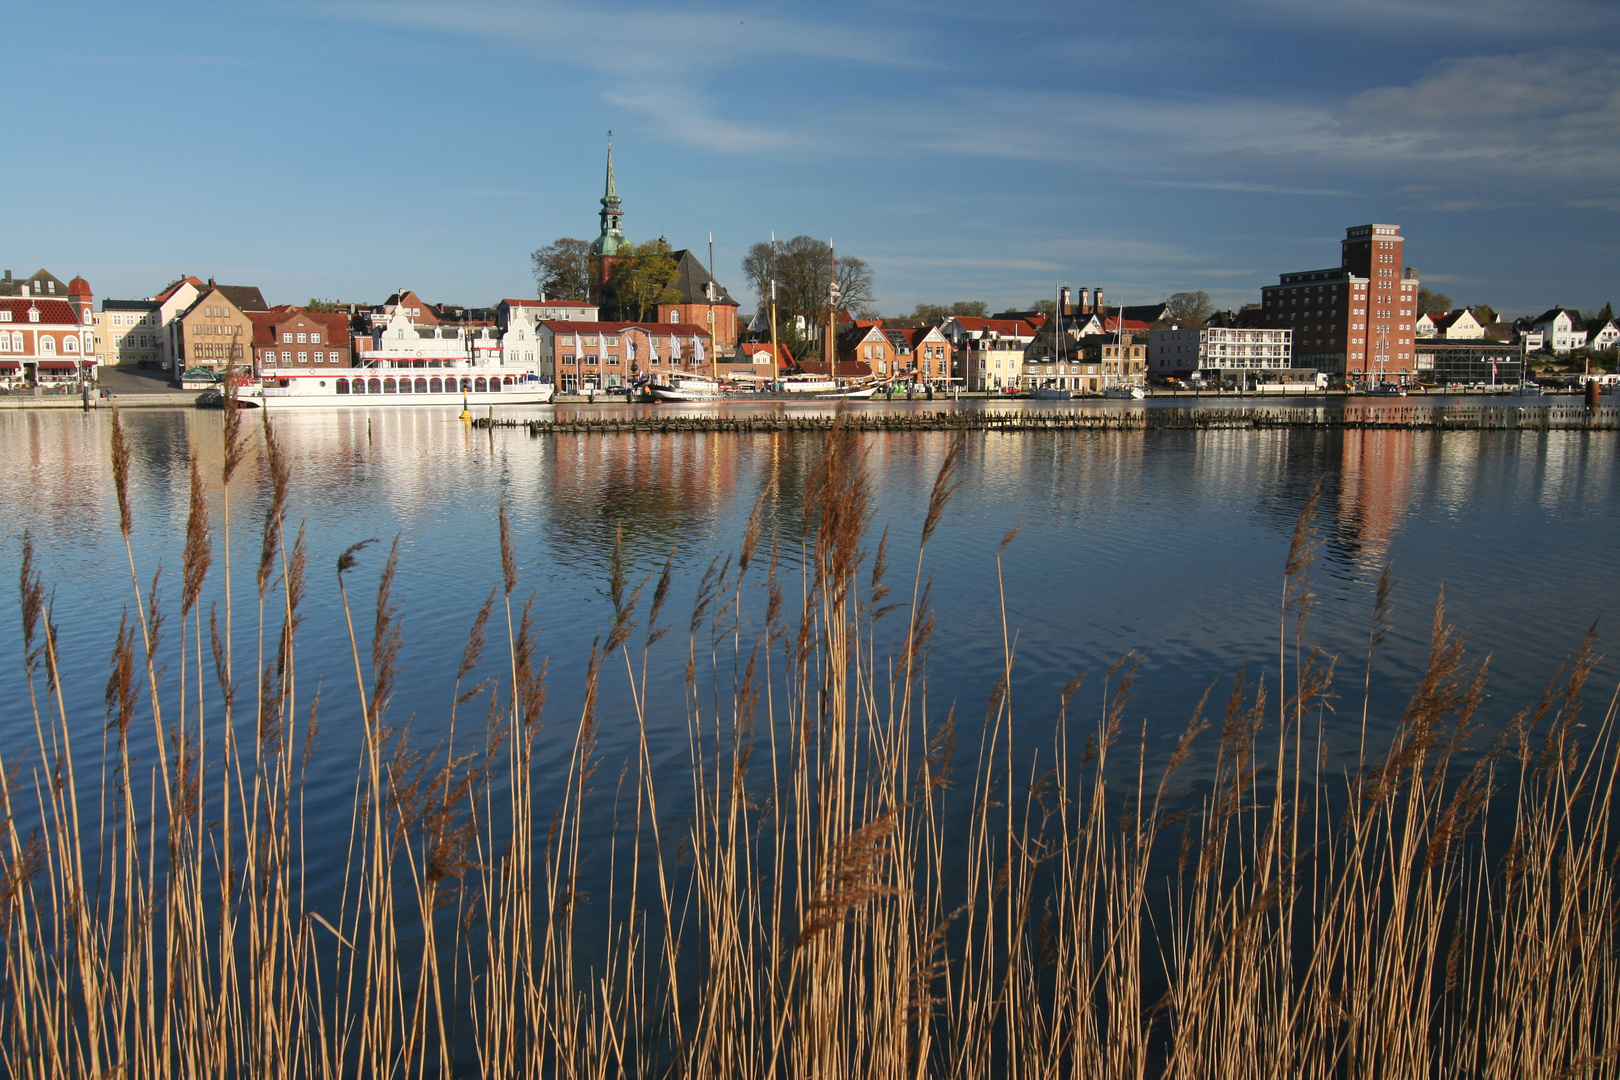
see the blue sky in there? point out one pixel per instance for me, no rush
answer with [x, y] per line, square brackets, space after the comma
[965, 150]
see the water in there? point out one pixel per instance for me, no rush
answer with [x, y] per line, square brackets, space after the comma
[1168, 545]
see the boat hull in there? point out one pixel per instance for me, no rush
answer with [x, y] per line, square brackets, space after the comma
[392, 388]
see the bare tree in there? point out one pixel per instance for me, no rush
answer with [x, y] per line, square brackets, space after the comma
[800, 271]
[562, 269]
[1188, 308]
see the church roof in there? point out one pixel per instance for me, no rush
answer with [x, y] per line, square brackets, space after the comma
[691, 278]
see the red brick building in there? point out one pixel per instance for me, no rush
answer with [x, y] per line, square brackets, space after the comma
[577, 354]
[289, 337]
[1357, 319]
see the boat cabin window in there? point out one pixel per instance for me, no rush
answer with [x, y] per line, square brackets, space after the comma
[436, 386]
[480, 385]
[404, 386]
[373, 386]
[342, 386]
[421, 386]
[389, 386]
[495, 385]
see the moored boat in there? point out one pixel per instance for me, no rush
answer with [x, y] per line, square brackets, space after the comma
[1125, 392]
[388, 385]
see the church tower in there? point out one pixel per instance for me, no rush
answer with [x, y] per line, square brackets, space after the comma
[605, 250]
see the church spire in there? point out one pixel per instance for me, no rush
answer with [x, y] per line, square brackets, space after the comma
[611, 239]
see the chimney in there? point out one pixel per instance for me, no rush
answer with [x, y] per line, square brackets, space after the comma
[210, 283]
[1097, 299]
[8, 275]
[1063, 301]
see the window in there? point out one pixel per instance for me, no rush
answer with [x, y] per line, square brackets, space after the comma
[5, 316]
[314, 339]
[47, 346]
[421, 386]
[16, 341]
[303, 339]
[303, 358]
[342, 386]
[286, 337]
[674, 315]
[5, 342]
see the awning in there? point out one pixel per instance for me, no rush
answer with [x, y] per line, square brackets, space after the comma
[57, 365]
[9, 365]
[87, 364]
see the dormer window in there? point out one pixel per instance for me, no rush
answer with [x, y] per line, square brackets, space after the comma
[33, 314]
[5, 316]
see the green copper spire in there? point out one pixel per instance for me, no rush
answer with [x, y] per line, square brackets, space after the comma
[611, 239]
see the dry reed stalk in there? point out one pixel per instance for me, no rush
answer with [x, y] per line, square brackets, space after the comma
[827, 910]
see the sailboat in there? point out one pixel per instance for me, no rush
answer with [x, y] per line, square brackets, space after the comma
[1127, 390]
[1055, 393]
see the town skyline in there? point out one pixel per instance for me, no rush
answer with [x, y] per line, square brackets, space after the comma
[372, 147]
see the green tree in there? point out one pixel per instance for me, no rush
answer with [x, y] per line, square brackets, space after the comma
[1484, 314]
[1046, 306]
[1188, 308]
[643, 277]
[800, 270]
[322, 306]
[562, 269]
[1433, 303]
[938, 313]
[1608, 311]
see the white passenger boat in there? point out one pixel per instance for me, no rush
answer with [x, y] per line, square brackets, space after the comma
[389, 385]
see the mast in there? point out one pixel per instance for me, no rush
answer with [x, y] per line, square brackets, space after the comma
[832, 302]
[714, 349]
[776, 356]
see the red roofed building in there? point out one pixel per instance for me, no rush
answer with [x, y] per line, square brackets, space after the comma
[989, 353]
[289, 337]
[543, 310]
[47, 341]
[578, 355]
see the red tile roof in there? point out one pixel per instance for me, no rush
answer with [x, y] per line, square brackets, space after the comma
[754, 348]
[547, 303]
[51, 312]
[1004, 327]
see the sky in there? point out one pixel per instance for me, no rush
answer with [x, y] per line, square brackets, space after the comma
[967, 151]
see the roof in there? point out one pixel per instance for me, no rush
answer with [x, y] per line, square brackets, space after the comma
[265, 322]
[41, 277]
[1553, 312]
[52, 311]
[174, 286]
[1131, 326]
[1450, 319]
[691, 278]
[130, 305]
[245, 297]
[78, 287]
[1004, 327]
[754, 349]
[547, 303]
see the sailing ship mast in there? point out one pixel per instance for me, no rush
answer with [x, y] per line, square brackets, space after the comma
[832, 310]
[776, 355]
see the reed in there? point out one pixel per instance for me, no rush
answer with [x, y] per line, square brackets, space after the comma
[849, 882]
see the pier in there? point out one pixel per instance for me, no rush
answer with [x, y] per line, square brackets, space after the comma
[1348, 417]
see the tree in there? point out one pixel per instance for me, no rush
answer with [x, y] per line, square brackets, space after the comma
[322, 306]
[1188, 308]
[1484, 314]
[800, 271]
[1608, 311]
[938, 313]
[562, 269]
[1046, 306]
[1433, 303]
[643, 277]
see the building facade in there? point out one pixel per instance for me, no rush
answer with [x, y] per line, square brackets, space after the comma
[1479, 362]
[290, 337]
[46, 341]
[587, 356]
[1358, 319]
[702, 301]
[129, 333]
[1217, 353]
[989, 353]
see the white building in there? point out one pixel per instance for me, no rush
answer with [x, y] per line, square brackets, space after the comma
[1210, 352]
[48, 340]
[989, 353]
[1602, 335]
[1563, 331]
[441, 345]
[543, 310]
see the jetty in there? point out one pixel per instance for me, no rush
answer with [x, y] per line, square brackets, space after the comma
[1347, 417]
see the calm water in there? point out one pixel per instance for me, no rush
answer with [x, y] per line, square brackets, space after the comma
[1167, 544]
